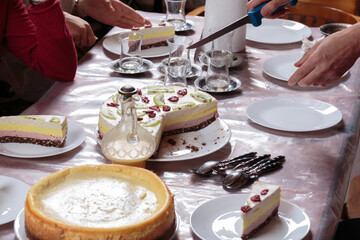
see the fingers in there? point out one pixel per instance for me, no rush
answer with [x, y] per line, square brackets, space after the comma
[270, 7]
[301, 74]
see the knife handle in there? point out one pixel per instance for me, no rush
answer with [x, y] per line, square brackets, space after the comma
[256, 16]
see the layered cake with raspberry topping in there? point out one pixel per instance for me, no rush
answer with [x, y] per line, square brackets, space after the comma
[260, 207]
[45, 130]
[155, 35]
[100, 202]
[163, 111]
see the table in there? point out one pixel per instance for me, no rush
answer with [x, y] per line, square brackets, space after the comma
[315, 176]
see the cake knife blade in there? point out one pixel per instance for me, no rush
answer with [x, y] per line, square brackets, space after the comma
[254, 17]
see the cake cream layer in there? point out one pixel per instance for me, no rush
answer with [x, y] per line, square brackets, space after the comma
[156, 33]
[36, 124]
[252, 222]
[31, 135]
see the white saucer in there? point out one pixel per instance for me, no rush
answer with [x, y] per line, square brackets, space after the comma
[201, 85]
[277, 31]
[294, 114]
[237, 60]
[194, 72]
[76, 135]
[13, 193]
[115, 66]
[19, 227]
[220, 218]
[188, 26]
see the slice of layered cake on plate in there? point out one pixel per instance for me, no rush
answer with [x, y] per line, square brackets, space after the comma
[164, 111]
[260, 207]
[155, 35]
[44, 130]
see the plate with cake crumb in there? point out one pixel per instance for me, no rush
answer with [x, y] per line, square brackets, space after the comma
[75, 136]
[112, 44]
[219, 218]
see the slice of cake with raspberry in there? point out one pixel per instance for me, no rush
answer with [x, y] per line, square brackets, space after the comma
[155, 35]
[260, 207]
[44, 130]
[163, 111]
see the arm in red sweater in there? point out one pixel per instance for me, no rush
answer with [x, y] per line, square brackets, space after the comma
[41, 38]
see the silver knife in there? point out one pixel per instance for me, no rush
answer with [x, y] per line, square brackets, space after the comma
[254, 17]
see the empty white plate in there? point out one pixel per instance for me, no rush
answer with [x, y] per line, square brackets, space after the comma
[282, 66]
[294, 114]
[13, 193]
[277, 31]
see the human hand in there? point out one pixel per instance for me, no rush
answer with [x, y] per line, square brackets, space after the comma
[328, 60]
[111, 12]
[80, 30]
[269, 8]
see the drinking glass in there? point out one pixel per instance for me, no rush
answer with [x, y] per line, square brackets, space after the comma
[218, 62]
[175, 13]
[222, 43]
[175, 71]
[130, 58]
[178, 48]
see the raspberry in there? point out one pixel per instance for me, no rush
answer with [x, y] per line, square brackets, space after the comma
[255, 198]
[139, 92]
[166, 108]
[182, 92]
[264, 192]
[140, 119]
[245, 208]
[145, 99]
[113, 104]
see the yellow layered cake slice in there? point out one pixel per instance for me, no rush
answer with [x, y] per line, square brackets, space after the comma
[45, 130]
[155, 35]
[164, 111]
[99, 202]
[261, 205]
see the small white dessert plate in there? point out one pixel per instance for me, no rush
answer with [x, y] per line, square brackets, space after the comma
[277, 31]
[19, 227]
[13, 193]
[237, 60]
[282, 66]
[293, 114]
[220, 218]
[115, 66]
[201, 85]
[76, 135]
[112, 44]
[194, 72]
[190, 145]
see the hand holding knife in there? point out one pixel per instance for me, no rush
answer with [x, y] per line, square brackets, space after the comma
[254, 17]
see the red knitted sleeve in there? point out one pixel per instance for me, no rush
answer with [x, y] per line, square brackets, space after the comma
[41, 38]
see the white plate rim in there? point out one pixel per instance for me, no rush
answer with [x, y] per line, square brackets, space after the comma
[275, 22]
[188, 156]
[279, 59]
[239, 199]
[252, 108]
[21, 189]
[75, 141]
[19, 225]
[147, 53]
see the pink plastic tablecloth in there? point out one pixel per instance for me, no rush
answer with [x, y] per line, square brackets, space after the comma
[314, 177]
